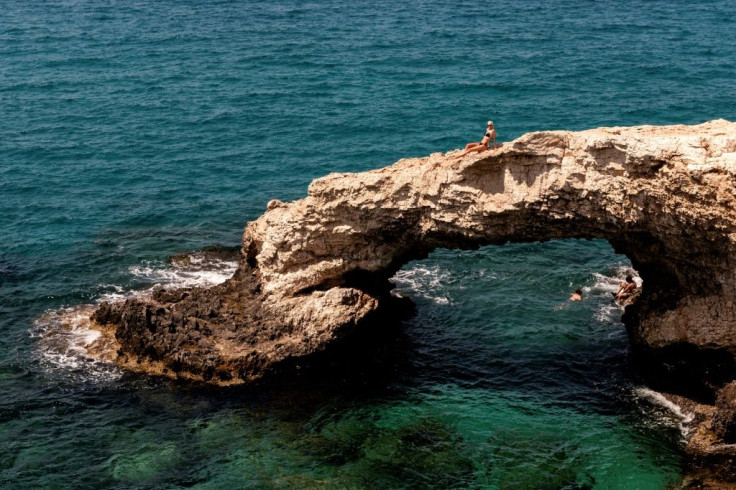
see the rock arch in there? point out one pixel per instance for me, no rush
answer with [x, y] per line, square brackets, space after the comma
[317, 268]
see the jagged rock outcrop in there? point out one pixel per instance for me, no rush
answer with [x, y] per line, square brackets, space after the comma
[315, 269]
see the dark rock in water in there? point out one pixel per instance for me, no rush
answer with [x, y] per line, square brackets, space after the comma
[204, 257]
[182, 331]
[224, 334]
[684, 369]
[724, 422]
[710, 453]
[108, 314]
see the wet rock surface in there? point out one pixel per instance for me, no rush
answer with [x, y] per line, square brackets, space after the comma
[226, 334]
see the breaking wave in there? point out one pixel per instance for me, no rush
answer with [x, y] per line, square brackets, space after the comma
[64, 335]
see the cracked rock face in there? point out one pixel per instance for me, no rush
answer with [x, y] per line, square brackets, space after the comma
[316, 269]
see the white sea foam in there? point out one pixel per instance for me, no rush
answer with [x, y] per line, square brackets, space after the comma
[681, 418]
[118, 293]
[65, 334]
[430, 282]
[607, 284]
[200, 271]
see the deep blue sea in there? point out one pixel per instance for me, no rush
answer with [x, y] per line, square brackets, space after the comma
[134, 130]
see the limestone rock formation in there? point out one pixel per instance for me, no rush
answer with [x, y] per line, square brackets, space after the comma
[316, 270]
[318, 267]
[664, 196]
[710, 451]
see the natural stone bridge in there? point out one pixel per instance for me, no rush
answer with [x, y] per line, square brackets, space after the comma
[664, 196]
[315, 269]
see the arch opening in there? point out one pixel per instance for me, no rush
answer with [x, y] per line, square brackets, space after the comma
[506, 309]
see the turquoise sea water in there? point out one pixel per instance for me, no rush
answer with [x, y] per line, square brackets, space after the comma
[134, 130]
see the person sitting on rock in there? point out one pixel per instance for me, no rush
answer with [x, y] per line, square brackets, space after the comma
[577, 295]
[625, 289]
[482, 145]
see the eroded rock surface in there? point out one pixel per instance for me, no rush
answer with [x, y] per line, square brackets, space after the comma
[315, 269]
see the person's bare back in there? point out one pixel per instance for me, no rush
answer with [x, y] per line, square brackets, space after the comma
[625, 289]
